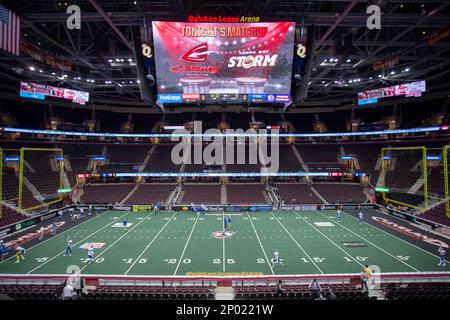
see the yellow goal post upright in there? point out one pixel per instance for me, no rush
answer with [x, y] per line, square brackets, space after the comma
[386, 156]
[446, 192]
[60, 164]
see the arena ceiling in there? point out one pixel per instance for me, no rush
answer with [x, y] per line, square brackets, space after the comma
[107, 27]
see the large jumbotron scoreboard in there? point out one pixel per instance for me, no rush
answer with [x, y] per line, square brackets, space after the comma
[217, 62]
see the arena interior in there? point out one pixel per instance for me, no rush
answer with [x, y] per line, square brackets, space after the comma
[224, 150]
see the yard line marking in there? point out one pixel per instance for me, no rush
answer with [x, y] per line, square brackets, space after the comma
[411, 244]
[396, 258]
[76, 243]
[185, 246]
[148, 246]
[301, 248]
[330, 240]
[223, 243]
[51, 238]
[120, 238]
[260, 244]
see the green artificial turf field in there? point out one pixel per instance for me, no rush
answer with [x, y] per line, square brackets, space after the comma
[179, 243]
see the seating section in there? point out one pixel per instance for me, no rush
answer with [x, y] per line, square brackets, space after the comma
[32, 292]
[103, 292]
[200, 193]
[131, 154]
[105, 193]
[78, 165]
[10, 216]
[437, 214]
[367, 156]
[401, 175]
[11, 190]
[151, 194]
[190, 166]
[247, 166]
[42, 176]
[288, 160]
[321, 153]
[392, 291]
[161, 160]
[436, 181]
[417, 291]
[152, 293]
[79, 158]
[300, 292]
[297, 193]
[342, 192]
[246, 194]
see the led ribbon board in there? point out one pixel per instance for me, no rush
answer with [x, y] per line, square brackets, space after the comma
[181, 135]
[40, 91]
[413, 89]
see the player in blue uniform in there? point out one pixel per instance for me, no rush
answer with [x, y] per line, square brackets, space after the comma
[361, 217]
[226, 223]
[3, 249]
[442, 252]
[98, 211]
[125, 223]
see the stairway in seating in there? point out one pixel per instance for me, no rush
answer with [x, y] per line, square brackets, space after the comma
[416, 185]
[224, 290]
[317, 193]
[132, 191]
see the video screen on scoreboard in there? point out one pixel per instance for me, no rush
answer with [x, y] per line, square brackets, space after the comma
[412, 89]
[232, 62]
[40, 91]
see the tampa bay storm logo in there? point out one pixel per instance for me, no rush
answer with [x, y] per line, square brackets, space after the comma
[197, 54]
[220, 235]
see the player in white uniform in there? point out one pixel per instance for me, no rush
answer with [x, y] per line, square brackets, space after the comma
[276, 258]
[338, 215]
[442, 252]
[69, 247]
[90, 255]
[361, 217]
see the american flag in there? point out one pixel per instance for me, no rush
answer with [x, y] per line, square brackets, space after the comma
[10, 28]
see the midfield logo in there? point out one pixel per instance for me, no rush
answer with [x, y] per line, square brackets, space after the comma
[220, 235]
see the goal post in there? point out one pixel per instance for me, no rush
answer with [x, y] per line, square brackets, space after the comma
[401, 171]
[40, 160]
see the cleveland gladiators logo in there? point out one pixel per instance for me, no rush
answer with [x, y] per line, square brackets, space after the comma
[223, 234]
